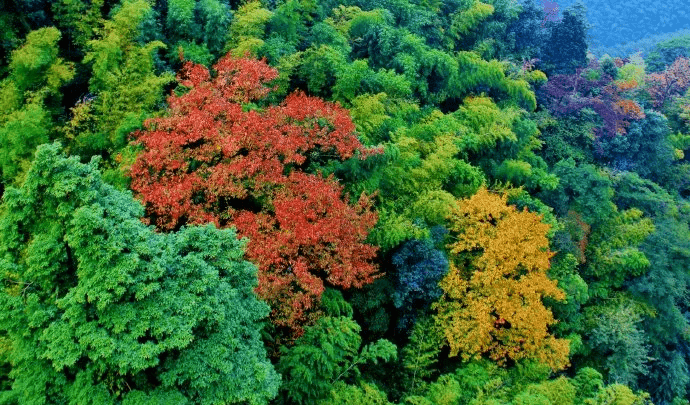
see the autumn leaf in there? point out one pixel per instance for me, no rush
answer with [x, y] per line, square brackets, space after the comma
[492, 295]
[212, 160]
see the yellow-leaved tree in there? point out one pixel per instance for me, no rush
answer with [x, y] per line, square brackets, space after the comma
[492, 295]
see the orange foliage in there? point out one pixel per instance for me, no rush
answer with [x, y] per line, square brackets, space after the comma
[492, 301]
[630, 110]
[627, 85]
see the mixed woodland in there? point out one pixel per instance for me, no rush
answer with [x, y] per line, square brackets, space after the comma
[421, 202]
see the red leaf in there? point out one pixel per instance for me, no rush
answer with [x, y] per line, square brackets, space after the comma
[211, 161]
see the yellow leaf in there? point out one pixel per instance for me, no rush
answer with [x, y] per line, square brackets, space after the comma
[492, 302]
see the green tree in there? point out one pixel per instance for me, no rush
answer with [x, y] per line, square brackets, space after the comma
[420, 355]
[666, 52]
[566, 48]
[290, 20]
[30, 96]
[124, 86]
[613, 254]
[464, 21]
[20, 132]
[558, 391]
[319, 67]
[247, 29]
[98, 308]
[663, 286]
[180, 22]
[618, 394]
[618, 338]
[215, 18]
[197, 28]
[582, 188]
[568, 312]
[78, 19]
[567, 137]
[364, 394]
[445, 391]
[330, 351]
[36, 66]
[646, 149]
[8, 39]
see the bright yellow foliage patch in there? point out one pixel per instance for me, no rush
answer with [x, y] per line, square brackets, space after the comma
[492, 301]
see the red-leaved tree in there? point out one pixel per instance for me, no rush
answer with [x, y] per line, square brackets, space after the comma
[673, 81]
[214, 159]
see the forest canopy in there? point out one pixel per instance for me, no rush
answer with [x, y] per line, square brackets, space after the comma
[423, 202]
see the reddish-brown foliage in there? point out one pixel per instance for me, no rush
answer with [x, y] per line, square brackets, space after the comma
[673, 81]
[212, 159]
